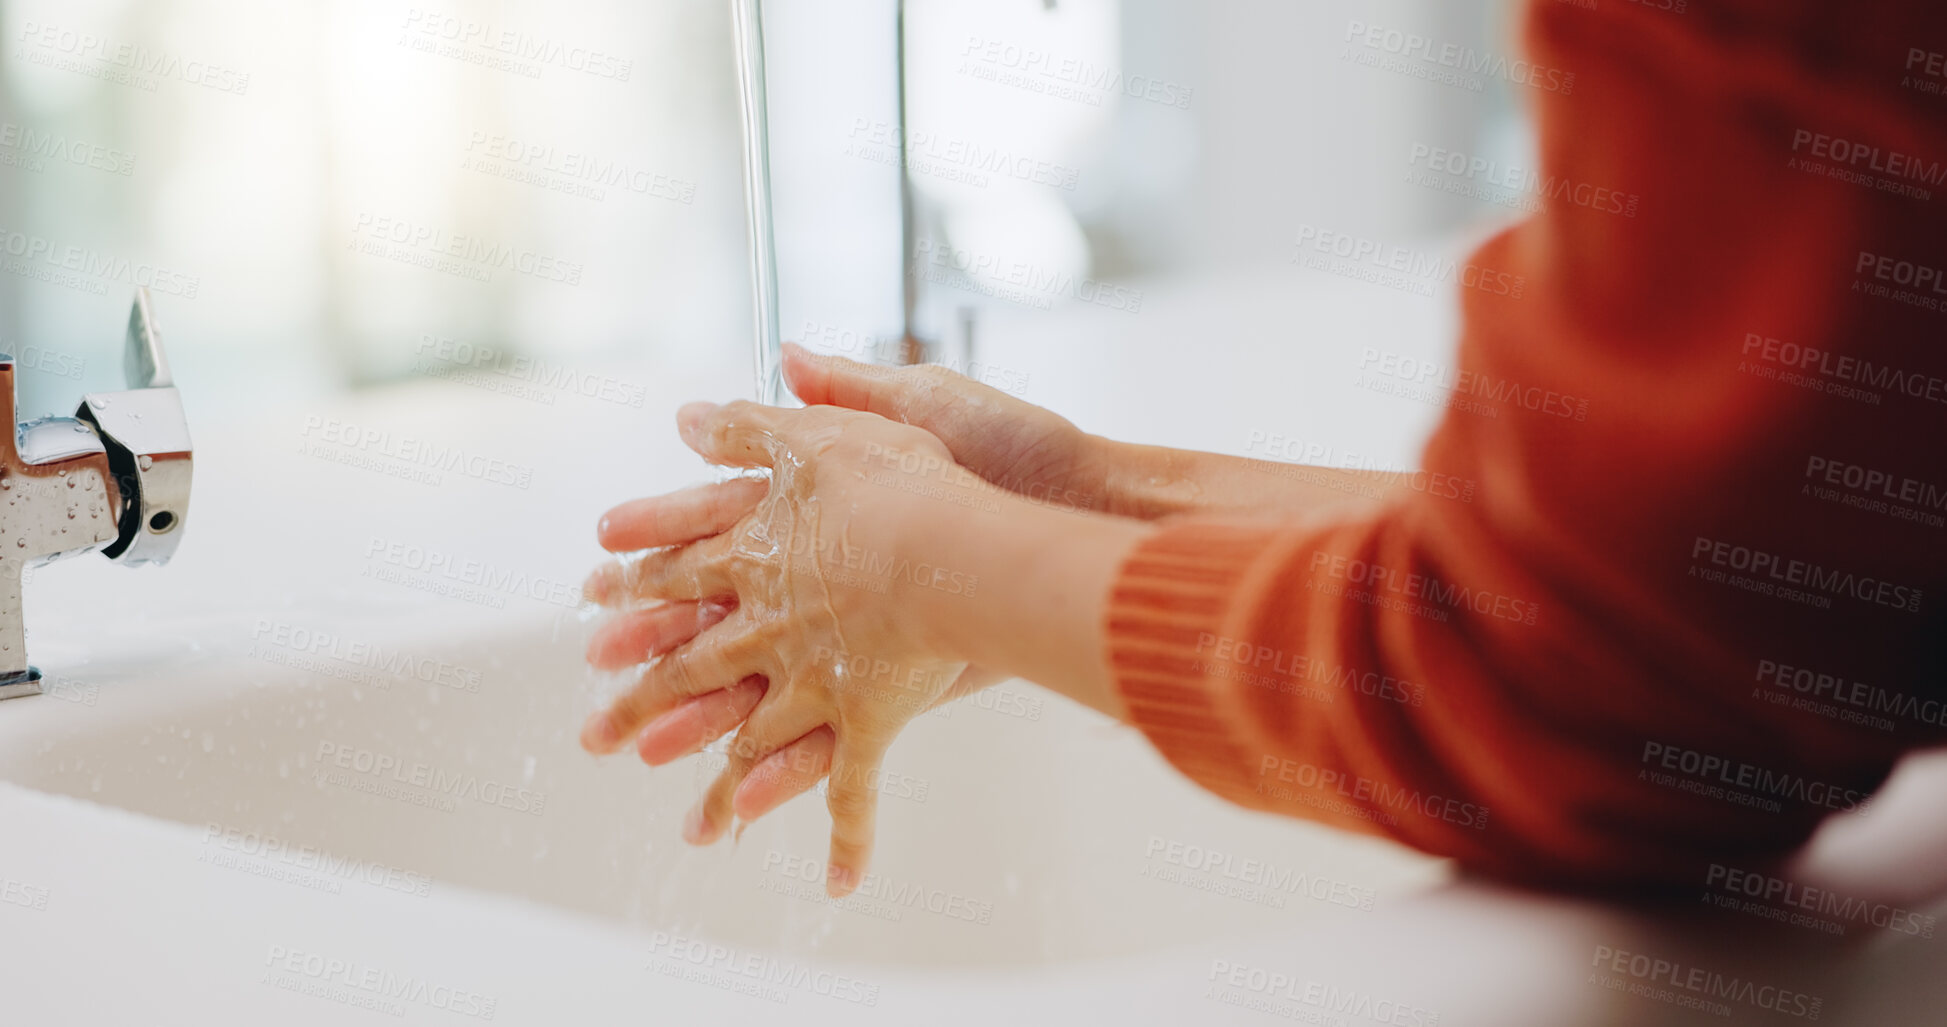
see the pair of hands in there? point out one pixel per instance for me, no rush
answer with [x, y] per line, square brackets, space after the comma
[778, 606]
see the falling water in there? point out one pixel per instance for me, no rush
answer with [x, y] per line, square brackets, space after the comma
[747, 28]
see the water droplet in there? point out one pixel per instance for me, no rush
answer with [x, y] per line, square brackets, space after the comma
[145, 461]
[20, 543]
[72, 481]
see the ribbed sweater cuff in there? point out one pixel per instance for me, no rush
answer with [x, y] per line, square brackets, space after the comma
[1174, 596]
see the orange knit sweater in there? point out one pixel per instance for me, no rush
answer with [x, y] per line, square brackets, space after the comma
[1693, 606]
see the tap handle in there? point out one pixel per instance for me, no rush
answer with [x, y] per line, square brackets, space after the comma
[146, 434]
[145, 365]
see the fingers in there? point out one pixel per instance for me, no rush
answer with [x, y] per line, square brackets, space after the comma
[639, 635]
[695, 723]
[772, 726]
[784, 775]
[736, 434]
[853, 798]
[705, 665]
[694, 571]
[822, 380]
[679, 517]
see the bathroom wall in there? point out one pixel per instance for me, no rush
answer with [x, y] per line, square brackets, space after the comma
[347, 194]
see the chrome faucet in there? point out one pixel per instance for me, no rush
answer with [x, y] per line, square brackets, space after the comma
[114, 478]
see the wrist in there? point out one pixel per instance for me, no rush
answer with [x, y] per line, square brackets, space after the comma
[1140, 482]
[932, 579]
[1113, 475]
[1037, 586]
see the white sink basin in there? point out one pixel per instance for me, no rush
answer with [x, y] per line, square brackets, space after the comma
[326, 764]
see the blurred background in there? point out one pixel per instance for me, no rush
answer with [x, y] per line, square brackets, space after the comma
[547, 200]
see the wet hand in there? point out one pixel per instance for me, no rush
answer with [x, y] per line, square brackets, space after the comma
[1009, 442]
[769, 596]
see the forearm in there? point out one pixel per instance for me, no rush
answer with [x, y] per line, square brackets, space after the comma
[1149, 482]
[1038, 608]
[1037, 604]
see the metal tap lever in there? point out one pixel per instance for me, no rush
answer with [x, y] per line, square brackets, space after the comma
[114, 478]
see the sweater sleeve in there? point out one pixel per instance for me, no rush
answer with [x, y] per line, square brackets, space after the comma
[1612, 662]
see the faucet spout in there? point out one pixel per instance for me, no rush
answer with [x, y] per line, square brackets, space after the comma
[60, 500]
[113, 479]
